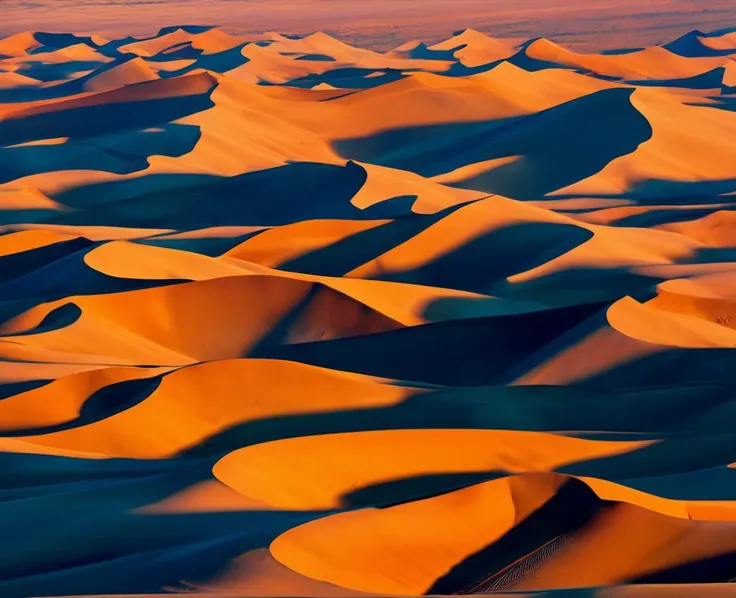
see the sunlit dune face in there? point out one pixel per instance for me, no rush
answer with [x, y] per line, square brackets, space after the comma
[436, 535]
[344, 314]
[402, 536]
[242, 394]
[363, 460]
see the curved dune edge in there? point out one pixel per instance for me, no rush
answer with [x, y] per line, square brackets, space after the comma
[362, 460]
[404, 303]
[404, 549]
[191, 408]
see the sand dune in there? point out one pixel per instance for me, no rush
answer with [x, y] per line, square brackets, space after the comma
[286, 316]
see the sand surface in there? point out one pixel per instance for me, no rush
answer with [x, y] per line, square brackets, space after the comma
[289, 316]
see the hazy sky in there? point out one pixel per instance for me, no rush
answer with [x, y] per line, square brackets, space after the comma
[382, 23]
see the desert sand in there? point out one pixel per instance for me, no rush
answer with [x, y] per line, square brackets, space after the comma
[287, 316]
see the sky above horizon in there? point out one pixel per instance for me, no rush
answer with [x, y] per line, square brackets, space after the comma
[586, 24]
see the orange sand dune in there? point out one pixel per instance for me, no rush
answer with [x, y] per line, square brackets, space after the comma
[201, 426]
[169, 321]
[351, 462]
[414, 536]
[472, 48]
[284, 315]
[651, 63]
[119, 75]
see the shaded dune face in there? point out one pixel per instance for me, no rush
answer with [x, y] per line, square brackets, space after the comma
[281, 316]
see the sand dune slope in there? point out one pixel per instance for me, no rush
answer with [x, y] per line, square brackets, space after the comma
[281, 316]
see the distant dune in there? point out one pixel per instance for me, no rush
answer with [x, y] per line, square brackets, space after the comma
[383, 24]
[283, 315]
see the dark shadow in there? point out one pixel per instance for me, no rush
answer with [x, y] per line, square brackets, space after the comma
[58, 318]
[110, 49]
[44, 500]
[539, 295]
[26, 473]
[101, 404]
[716, 569]
[219, 62]
[97, 119]
[397, 492]
[122, 152]
[340, 257]
[66, 276]
[649, 468]
[653, 218]
[421, 52]
[279, 331]
[194, 29]
[209, 246]
[489, 259]
[10, 389]
[656, 414]
[47, 72]
[18, 264]
[479, 350]
[314, 57]
[670, 192]
[691, 46]
[712, 483]
[180, 51]
[323, 313]
[79, 85]
[714, 255]
[349, 78]
[620, 51]
[528, 63]
[721, 102]
[56, 41]
[712, 79]
[553, 148]
[514, 556]
[458, 69]
[295, 192]
[671, 366]
[26, 215]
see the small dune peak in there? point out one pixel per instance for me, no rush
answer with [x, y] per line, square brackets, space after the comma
[323, 87]
[411, 46]
[699, 44]
[541, 46]
[22, 38]
[99, 41]
[254, 50]
[80, 51]
[354, 166]
[722, 41]
[469, 35]
[418, 50]
[692, 35]
[322, 36]
[127, 71]
[19, 44]
[325, 41]
[505, 73]
[465, 37]
[275, 36]
[473, 48]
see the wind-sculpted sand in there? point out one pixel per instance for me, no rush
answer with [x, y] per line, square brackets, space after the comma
[287, 317]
